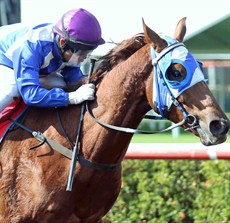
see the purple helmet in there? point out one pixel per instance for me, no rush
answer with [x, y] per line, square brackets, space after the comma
[81, 27]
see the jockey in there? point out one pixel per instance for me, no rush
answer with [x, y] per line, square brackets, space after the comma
[37, 62]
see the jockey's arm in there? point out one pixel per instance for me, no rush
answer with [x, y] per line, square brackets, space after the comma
[27, 68]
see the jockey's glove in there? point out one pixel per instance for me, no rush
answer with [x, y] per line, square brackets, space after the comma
[83, 93]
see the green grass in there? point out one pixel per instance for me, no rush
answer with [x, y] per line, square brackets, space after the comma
[167, 138]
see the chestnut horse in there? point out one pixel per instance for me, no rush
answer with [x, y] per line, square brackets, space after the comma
[129, 84]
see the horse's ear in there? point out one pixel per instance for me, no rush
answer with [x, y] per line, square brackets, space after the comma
[151, 37]
[180, 30]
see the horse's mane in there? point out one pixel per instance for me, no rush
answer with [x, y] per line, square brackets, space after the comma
[121, 52]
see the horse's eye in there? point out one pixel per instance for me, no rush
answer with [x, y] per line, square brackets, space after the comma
[176, 72]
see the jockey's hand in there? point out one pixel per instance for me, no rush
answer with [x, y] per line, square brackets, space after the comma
[83, 93]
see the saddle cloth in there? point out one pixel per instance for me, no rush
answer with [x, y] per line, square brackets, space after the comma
[12, 111]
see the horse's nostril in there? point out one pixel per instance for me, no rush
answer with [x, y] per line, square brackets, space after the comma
[218, 127]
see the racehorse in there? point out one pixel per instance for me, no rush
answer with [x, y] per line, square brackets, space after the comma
[144, 72]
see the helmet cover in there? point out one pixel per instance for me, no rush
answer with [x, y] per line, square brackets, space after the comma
[81, 27]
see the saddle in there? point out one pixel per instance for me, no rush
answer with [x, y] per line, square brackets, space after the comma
[11, 112]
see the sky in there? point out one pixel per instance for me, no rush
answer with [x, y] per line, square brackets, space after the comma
[121, 19]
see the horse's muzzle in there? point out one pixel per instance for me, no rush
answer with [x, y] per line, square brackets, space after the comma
[216, 133]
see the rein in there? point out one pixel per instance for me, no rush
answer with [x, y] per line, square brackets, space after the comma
[130, 130]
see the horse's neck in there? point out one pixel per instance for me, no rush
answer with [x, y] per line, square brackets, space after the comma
[120, 101]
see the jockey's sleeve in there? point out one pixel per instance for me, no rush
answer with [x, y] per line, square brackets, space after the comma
[26, 63]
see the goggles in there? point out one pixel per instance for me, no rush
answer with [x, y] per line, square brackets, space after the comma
[74, 47]
[78, 57]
